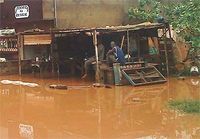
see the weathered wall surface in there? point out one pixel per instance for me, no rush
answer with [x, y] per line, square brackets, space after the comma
[87, 13]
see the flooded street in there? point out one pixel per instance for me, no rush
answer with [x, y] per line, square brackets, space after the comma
[96, 113]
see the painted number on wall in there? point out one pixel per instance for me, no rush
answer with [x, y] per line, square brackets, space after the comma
[22, 11]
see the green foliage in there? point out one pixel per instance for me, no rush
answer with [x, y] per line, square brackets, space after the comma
[187, 106]
[195, 41]
[148, 10]
[183, 16]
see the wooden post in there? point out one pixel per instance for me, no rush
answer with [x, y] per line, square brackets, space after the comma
[122, 42]
[22, 52]
[51, 53]
[166, 54]
[18, 47]
[20, 42]
[169, 30]
[128, 44]
[97, 76]
[138, 44]
[55, 13]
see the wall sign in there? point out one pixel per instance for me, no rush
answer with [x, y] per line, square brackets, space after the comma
[22, 11]
[4, 32]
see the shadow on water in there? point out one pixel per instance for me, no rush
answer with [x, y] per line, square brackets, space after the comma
[121, 112]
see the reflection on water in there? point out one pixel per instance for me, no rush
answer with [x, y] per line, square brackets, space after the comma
[26, 131]
[195, 82]
[95, 113]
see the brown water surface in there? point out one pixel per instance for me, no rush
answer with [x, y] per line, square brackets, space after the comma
[96, 113]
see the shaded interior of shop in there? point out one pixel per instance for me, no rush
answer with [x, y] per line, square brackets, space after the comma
[73, 49]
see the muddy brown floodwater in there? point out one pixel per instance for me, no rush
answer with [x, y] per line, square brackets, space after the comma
[96, 113]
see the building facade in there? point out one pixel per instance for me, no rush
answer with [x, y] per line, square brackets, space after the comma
[87, 13]
[64, 13]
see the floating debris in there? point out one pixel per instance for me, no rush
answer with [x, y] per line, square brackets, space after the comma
[19, 83]
[59, 86]
[101, 85]
[137, 100]
[65, 87]
[181, 78]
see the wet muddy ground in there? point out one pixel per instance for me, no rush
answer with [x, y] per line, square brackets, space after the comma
[96, 113]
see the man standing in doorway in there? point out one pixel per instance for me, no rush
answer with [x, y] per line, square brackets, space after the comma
[91, 60]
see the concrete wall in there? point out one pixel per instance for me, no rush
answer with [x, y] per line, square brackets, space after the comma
[87, 13]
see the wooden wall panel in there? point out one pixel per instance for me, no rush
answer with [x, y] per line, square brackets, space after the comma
[37, 39]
